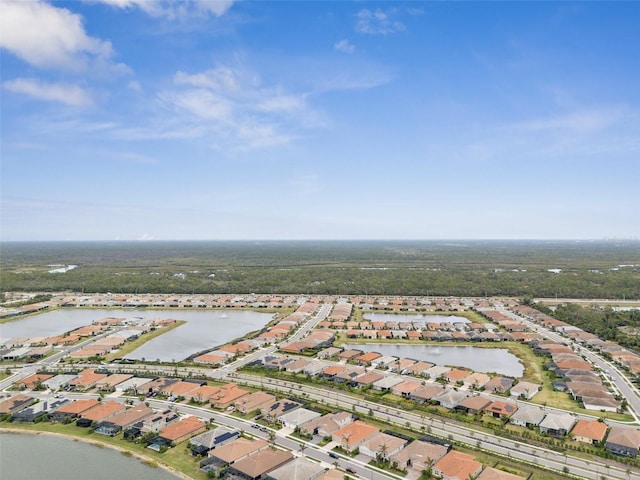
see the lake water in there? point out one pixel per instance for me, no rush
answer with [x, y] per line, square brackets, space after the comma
[487, 360]
[414, 318]
[29, 457]
[203, 330]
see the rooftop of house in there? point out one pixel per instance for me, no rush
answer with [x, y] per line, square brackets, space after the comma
[102, 411]
[491, 473]
[78, 406]
[259, 463]
[628, 437]
[299, 468]
[590, 429]
[458, 465]
[239, 448]
[186, 426]
[354, 433]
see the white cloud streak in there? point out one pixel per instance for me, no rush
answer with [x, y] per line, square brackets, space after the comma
[68, 94]
[173, 9]
[49, 37]
[377, 22]
[344, 46]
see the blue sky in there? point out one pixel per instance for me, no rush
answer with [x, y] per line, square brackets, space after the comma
[158, 119]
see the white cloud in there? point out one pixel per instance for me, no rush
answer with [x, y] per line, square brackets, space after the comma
[54, 92]
[344, 46]
[237, 107]
[586, 121]
[135, 86]
[377, 22]
[282, 103]
[173, 9]
[49, 37]
[220, 78]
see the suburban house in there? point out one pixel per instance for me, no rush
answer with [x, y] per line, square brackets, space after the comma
[419, 455]
[456, 466]
[526, 390]
[623, 441]
[14, 404]
[327, 424]
[491, 473]
[501, 409]
[179, 431]
[353, 435]
[382, 445]
[203, 443]
[449, 398]
[297, 417]
[300, 468]
[228, 394]
[425, 393]
[258, 464]
[37, 410]
[124, 420]
[103, 411]
[201, 394]
[181, 388]
[405, 388]
[109, 384]
[273, 411]
[589, 431]
[474, 405]
[74, 409]
[499, 385]
[557, 424]
[254, 401]
[528, 416]
[235, 450]
[157, 421]
[33, 381]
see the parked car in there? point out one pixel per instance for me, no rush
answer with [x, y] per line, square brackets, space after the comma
[333, 455]
[350, 470]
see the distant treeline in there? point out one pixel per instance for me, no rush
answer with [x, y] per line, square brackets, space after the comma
[603, 322]
[588, 269]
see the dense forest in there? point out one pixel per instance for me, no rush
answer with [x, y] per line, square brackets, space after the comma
[471, 268]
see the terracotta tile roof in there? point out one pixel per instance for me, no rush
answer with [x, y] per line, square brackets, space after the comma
[457, 465]
[590, 429]
[405, 387]
[185, 427]
[78, 406]
[333, 370]
[133, 415]
[354, 433]
[227, 394]
[503, 409]
[368, 357]
[181, 387]
[33, 380]
[105, 410]
[491, 473]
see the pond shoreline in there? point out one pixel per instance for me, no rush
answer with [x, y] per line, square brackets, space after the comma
[149, 461]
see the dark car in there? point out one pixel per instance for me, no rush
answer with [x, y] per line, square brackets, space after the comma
[350, 470]
[333, 455]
